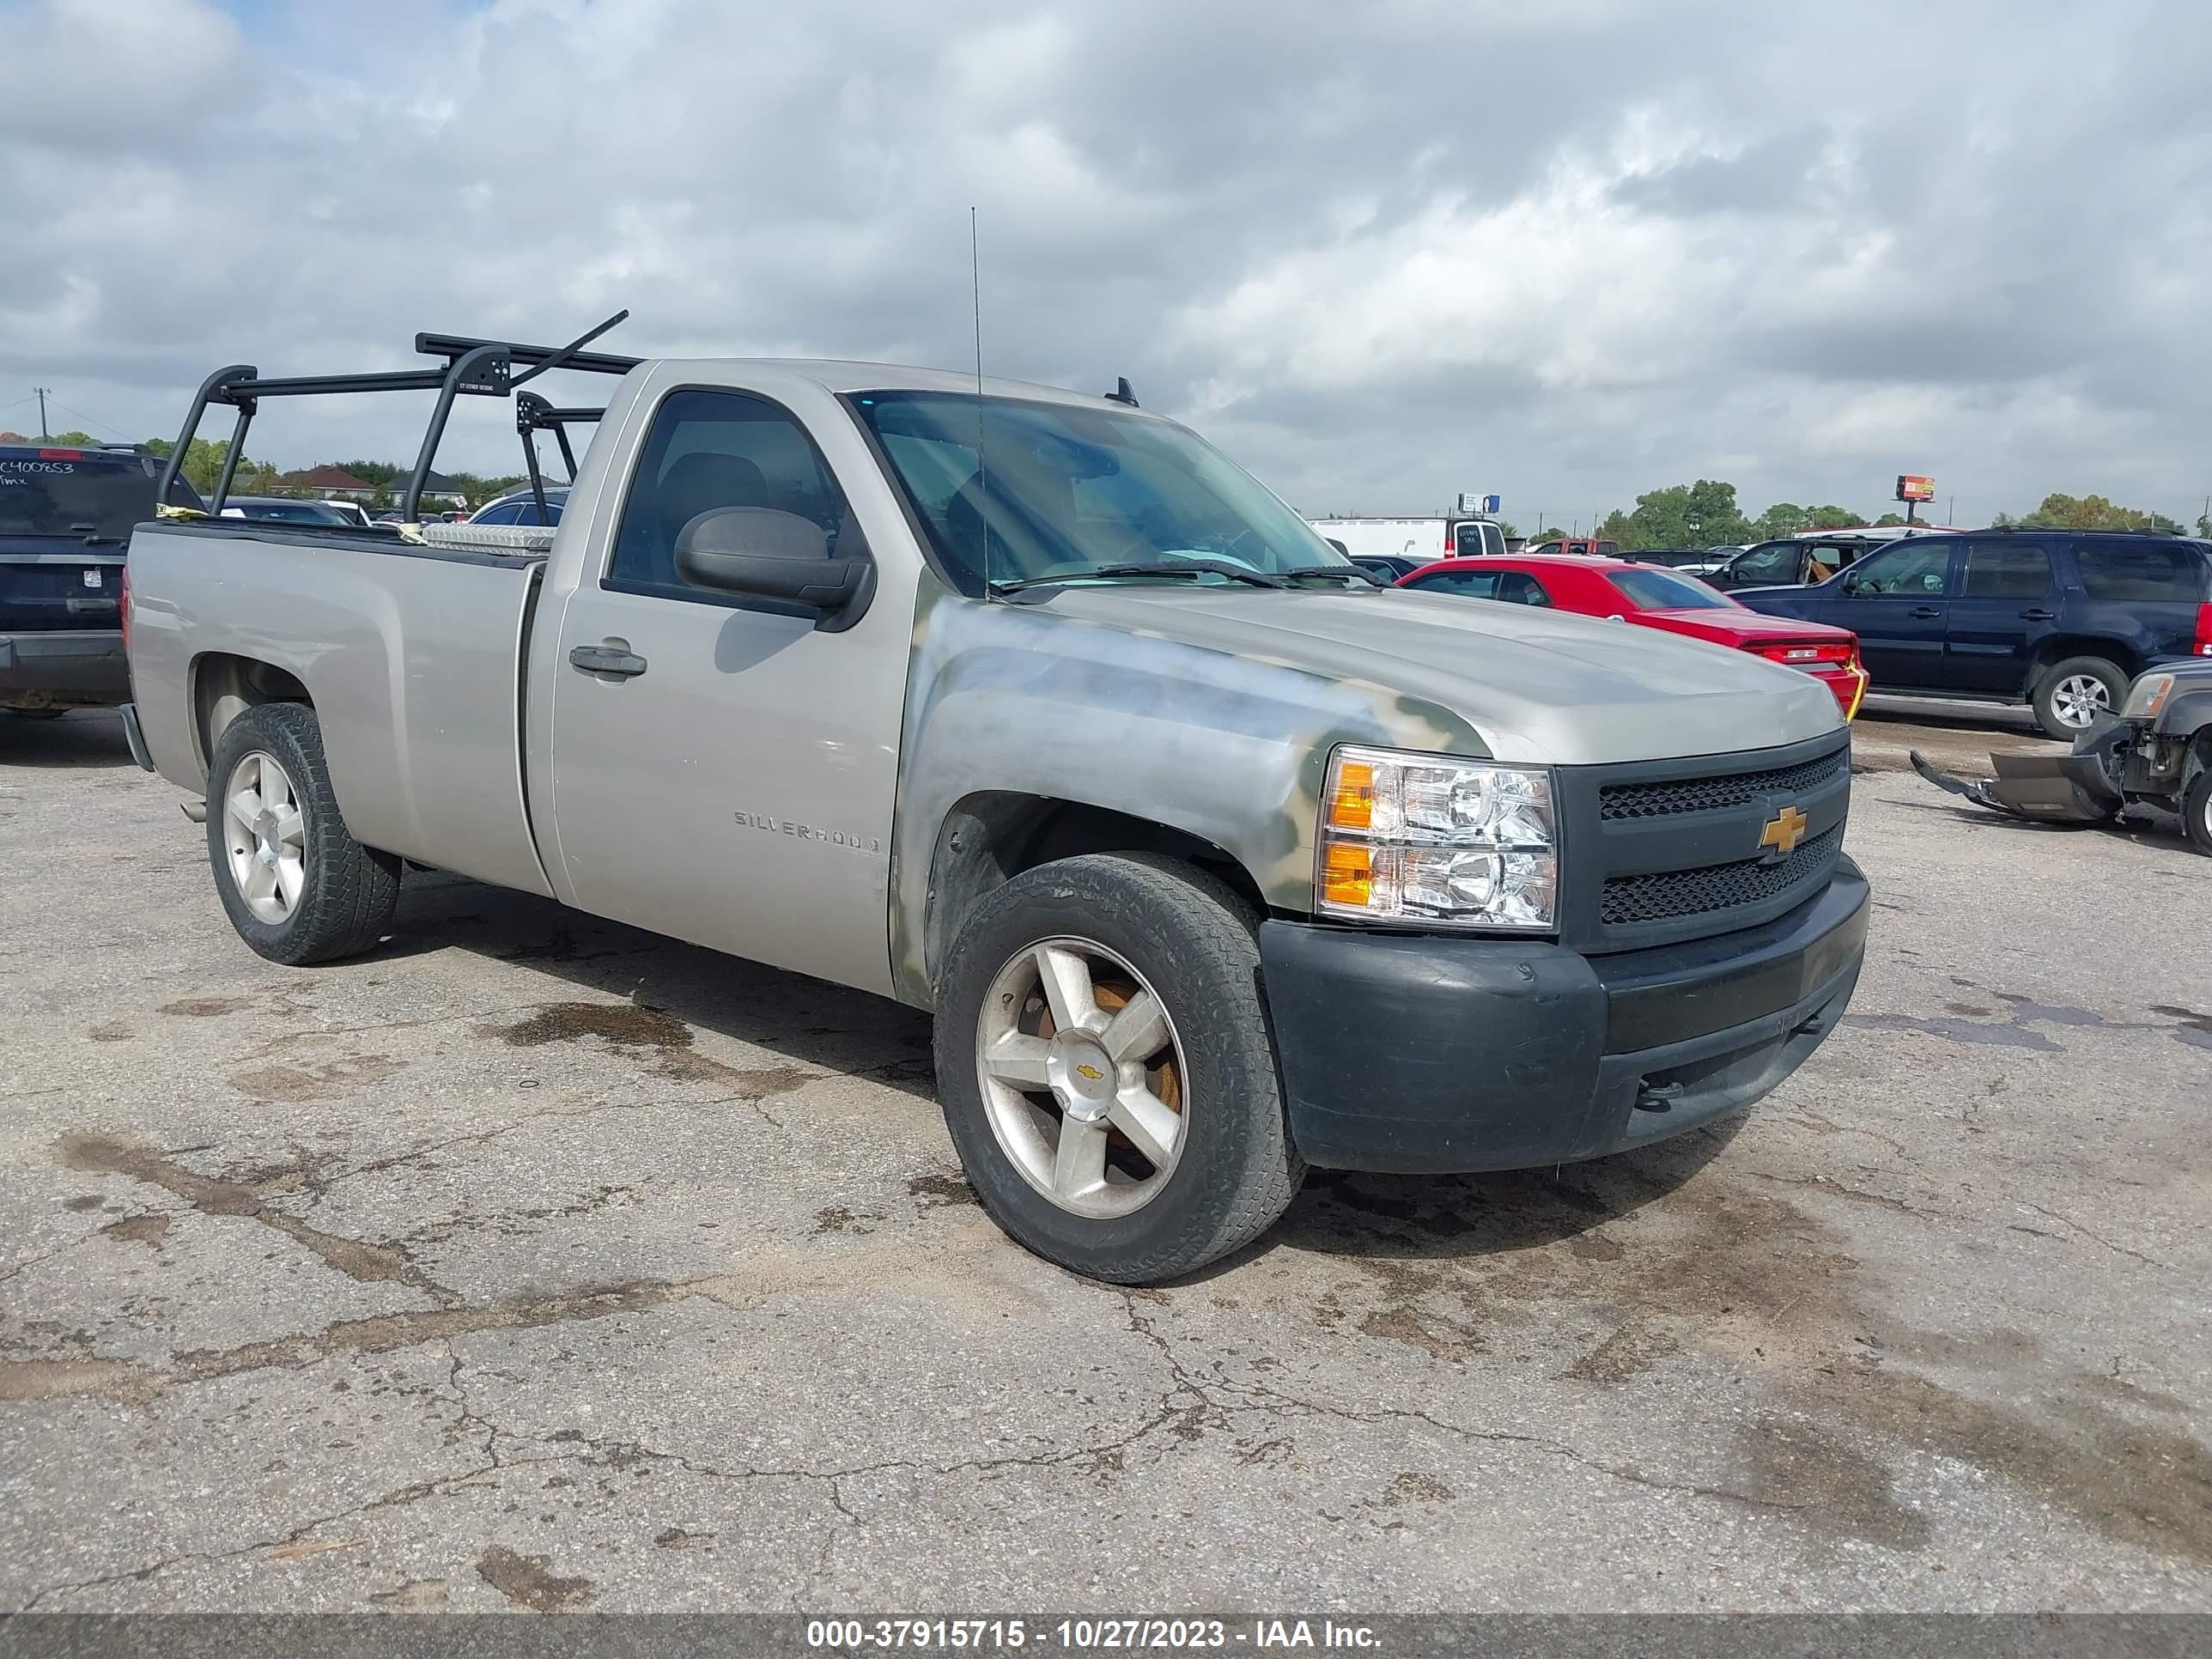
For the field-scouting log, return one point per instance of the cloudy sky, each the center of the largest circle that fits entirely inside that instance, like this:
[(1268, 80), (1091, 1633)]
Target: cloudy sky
[(1566, 250)]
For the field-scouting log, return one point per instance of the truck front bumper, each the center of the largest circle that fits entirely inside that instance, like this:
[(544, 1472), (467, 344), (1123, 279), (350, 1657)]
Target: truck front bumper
[(63, 669), (1447, 1053)]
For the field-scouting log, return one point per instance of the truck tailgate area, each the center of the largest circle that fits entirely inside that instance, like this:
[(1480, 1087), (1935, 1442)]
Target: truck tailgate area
[(411, 656)]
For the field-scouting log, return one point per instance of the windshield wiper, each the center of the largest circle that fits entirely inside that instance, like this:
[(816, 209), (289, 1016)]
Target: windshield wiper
[(1342, 572), (1191, 568)]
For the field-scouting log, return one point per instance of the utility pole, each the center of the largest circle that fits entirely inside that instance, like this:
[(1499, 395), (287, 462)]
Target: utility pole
[(1951, 509), (42, 391)]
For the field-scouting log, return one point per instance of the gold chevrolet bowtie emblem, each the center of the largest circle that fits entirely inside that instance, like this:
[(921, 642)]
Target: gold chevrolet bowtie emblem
[(1090, 1073), (1784, 830)]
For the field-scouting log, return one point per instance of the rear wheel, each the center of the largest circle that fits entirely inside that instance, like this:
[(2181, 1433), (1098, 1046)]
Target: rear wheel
[(1106, 1069), (295, 884), (2072, 695)]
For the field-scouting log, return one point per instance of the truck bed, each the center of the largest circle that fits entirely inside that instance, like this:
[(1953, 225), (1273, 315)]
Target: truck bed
[(412, 656)]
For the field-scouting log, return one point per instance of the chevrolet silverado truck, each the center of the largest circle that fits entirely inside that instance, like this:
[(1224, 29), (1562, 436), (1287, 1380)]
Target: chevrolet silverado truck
[(1213, 859)]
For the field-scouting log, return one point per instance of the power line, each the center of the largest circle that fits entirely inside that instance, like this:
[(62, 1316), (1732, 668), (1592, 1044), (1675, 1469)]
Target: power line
[(81, 415)]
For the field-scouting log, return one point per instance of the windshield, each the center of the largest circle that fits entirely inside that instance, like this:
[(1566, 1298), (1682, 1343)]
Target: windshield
[(1666, 590), (1056, 489), (69, 492)]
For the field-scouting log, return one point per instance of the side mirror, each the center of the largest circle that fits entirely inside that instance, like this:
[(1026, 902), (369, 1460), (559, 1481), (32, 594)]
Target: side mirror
[(1852, 583), (764, 554)]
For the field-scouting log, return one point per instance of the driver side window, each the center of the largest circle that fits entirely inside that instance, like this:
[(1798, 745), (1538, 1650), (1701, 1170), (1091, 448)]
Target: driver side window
[(1921, 570), (709, 450), (1475, 584)]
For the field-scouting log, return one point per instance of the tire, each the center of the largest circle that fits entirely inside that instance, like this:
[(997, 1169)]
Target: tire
[(326, 895), (2066, 699), (1141, 926), (2196, 812)]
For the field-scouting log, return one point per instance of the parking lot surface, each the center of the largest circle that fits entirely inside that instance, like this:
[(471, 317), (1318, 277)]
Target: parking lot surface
[(537, 1262)]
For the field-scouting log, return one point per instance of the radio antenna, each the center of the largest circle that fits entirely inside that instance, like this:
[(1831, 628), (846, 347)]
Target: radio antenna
[(982, 471)]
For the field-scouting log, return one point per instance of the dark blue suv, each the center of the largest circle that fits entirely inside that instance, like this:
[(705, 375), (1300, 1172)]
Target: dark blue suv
[(2059, 619)]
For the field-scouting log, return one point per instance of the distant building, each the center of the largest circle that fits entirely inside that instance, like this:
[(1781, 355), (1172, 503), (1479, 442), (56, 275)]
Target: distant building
[(436, 487), (329, 482)]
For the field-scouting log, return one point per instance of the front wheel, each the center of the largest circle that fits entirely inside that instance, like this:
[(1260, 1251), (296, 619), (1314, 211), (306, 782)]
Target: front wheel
[(2196, 812), (1106, 1070), (295, 884)]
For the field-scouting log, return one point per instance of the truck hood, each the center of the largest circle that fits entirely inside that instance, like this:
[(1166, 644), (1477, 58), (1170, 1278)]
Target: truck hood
[(1539, 686)]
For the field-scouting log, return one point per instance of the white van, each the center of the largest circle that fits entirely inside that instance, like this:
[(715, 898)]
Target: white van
[(1425, 539)]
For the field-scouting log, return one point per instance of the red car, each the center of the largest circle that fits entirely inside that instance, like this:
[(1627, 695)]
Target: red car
[(1654, 597)]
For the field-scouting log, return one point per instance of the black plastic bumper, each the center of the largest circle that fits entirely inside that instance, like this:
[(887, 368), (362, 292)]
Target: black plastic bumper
[(1428, 1052), (70, 668)]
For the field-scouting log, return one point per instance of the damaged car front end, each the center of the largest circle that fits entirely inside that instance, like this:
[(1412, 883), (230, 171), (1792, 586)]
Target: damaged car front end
[(2156, 751)]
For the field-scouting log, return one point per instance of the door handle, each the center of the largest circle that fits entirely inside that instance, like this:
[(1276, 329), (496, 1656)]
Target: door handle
[(613, 658), (1923, 611), (2038, 614)]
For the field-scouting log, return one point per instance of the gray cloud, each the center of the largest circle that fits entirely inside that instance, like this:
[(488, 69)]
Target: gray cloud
[(1383, 253)]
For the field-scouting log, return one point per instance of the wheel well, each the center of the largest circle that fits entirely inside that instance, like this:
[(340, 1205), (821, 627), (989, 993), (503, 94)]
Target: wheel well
[(987, 840), (225, 686), (2055, 651), (2197, 759)]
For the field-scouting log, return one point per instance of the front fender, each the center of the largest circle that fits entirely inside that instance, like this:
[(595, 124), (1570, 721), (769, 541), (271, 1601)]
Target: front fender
[(1013, 699)]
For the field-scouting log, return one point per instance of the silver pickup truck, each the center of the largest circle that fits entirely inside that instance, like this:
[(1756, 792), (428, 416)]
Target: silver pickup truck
[(1213, 859)]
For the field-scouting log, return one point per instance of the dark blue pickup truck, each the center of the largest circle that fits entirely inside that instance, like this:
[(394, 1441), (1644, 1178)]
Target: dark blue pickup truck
[(65, 519), (2060, 620)]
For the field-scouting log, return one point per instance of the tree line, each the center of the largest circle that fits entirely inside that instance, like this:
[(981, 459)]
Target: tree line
[(203, 465), (1701, 514), (1705, 514)]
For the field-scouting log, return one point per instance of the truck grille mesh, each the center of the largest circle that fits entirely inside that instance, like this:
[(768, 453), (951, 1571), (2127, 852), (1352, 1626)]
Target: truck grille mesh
[(1664, 894), (1664, 800)]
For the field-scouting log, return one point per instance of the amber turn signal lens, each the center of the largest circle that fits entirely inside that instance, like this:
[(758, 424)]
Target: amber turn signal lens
[(1348, 875), (1352, 803)]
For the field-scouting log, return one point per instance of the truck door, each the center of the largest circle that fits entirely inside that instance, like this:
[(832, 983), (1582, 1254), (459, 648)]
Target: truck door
[(1477, 538), (2006, 605), (722, 771), (1897, 601)]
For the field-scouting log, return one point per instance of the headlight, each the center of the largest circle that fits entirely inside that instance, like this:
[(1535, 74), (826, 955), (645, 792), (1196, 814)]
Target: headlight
[(1427, 838), (2148, 696)]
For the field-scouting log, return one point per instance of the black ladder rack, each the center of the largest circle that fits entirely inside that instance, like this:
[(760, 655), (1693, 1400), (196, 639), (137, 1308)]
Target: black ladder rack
[(473, 368)]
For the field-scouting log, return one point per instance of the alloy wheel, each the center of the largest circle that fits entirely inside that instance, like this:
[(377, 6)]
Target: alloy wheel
[(1083, 1077), (2079, 699), (266, 836)]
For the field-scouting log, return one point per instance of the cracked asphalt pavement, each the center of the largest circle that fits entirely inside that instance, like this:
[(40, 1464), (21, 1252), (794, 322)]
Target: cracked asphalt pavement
[(535, 1262)]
